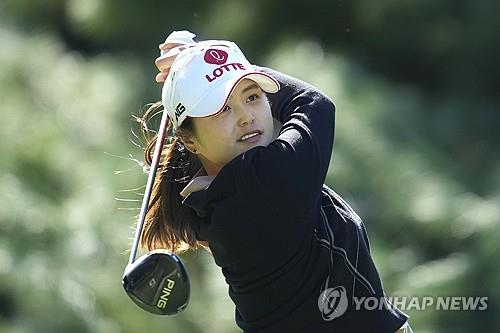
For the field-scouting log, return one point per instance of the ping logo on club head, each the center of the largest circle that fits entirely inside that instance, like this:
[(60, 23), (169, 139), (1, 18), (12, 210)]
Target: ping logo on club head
[(215, 56), (165, 293), (332, 303)]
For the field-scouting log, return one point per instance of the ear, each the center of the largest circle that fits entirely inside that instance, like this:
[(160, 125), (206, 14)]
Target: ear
[(190, 145)]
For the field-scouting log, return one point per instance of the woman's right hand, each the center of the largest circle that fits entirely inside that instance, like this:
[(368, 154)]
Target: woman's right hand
[(174, 43)]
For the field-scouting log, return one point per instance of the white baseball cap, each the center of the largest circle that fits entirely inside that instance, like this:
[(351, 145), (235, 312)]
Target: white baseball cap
[(204, 75)]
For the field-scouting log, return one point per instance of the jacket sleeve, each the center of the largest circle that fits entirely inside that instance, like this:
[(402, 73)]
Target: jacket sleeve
[(293, 167)]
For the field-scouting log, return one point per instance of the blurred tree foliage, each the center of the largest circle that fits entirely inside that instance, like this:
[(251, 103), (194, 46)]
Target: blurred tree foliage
[(416, 152)]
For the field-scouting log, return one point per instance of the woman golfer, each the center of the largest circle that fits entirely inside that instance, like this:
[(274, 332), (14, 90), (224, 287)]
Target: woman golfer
[(293, 252)]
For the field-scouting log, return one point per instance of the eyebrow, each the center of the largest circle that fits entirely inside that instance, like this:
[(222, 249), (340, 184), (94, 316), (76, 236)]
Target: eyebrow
[(250, 87), (247, 88)]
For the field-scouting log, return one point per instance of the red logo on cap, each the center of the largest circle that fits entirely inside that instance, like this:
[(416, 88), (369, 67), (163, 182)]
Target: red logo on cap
[(216, 57)]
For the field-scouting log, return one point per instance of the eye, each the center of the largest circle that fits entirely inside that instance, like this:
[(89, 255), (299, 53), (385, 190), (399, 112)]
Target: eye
[(252, 97), (226, 108)]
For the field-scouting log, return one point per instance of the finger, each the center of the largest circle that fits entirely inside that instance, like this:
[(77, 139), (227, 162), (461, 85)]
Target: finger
[(168, 45), (164, 62), (161, 77), (173, 51)]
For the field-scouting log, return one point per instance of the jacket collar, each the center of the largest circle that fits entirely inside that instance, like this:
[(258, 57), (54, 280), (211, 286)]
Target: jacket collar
[(200, 181), (196, 194)]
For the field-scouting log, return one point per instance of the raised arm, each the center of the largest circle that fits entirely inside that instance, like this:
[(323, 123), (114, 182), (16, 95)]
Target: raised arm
[(295, 164)]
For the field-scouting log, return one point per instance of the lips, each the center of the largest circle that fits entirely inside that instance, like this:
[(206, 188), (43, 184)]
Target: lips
[(249, 135)]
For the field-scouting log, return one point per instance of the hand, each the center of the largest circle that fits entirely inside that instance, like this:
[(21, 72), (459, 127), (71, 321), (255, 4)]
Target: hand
[(175, 43)]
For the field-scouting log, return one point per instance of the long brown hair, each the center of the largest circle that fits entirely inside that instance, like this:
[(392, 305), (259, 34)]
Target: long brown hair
[(169, 224)]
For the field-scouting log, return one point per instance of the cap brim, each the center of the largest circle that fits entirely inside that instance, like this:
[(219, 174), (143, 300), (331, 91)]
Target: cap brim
[(215, 100)]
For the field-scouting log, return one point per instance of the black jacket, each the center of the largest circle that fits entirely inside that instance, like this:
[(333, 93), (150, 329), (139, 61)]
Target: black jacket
[(281, 237)]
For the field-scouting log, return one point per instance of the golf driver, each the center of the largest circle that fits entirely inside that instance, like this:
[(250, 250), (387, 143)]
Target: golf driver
[(158, 281)]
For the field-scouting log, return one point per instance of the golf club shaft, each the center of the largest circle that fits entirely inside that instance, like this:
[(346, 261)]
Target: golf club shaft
[(149, 185)]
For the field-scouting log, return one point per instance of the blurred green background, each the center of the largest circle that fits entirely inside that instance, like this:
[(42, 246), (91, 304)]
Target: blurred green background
[(416, 84)]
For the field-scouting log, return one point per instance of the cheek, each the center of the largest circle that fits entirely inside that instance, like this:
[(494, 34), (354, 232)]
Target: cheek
[(267, 120), (221, 144)]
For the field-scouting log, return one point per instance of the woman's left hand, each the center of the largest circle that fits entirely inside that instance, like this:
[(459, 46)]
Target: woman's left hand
[(174, 43)]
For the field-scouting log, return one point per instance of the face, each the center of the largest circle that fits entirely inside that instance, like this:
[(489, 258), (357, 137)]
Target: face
[(218, 138)]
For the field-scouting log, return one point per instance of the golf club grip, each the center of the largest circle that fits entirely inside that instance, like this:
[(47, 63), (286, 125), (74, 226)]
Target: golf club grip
[(149, 185)]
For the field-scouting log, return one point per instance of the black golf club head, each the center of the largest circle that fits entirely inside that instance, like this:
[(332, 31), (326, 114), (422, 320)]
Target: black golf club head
[(158, 282)]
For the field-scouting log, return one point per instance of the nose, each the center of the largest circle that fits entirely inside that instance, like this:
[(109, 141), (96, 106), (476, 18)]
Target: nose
[(246, 116)]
